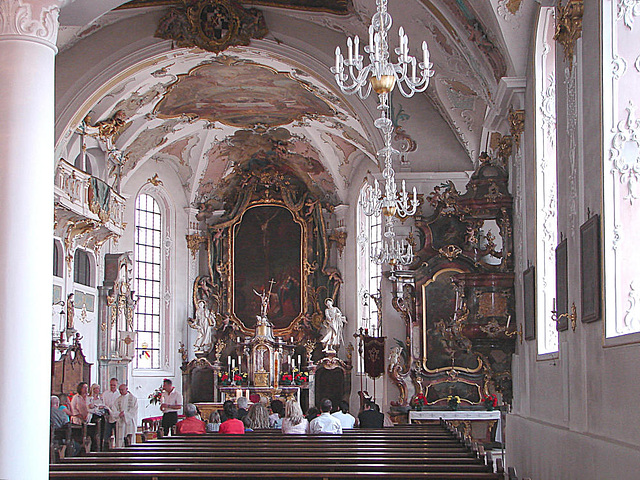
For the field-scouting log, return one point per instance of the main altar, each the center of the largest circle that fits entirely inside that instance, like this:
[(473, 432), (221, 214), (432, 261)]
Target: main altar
[(271, 244)]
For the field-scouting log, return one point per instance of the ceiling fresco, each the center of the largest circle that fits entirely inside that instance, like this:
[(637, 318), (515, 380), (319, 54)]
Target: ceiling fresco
[(246, 150), (330, 6), (242, 95), (211, 115)]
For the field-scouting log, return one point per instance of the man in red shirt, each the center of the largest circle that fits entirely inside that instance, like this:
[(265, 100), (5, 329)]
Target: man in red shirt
[(232, 424), (191, 425)]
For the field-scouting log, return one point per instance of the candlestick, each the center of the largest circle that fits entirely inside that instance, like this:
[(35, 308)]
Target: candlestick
[(508, 322)]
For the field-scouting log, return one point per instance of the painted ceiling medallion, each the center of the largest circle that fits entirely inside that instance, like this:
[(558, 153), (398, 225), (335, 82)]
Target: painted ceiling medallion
[(213, 25), (240, 94)]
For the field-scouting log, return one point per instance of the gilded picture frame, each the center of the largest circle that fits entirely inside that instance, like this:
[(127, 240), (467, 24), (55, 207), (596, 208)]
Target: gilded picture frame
[(278, 256), (590, 270)]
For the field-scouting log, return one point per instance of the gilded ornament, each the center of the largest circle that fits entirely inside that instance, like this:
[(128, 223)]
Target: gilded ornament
[(194, 241), (213, 25), (516, 125), (155, 181), (569, 27), (340, 239), (450, 251)]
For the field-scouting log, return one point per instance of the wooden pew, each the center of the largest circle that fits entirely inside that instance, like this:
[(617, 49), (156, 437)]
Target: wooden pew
[(420, 453)]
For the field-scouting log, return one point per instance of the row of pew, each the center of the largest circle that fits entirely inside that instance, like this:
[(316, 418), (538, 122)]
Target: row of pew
[(431, 451)]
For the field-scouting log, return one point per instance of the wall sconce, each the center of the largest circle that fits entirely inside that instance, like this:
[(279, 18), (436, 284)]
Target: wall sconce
[(572, 316), (515, 333)]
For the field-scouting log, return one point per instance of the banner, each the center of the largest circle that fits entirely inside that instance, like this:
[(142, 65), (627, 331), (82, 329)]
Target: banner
[(374, 356)]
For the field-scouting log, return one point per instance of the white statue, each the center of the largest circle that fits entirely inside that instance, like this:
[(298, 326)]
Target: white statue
[(333, 324), (203, 323)]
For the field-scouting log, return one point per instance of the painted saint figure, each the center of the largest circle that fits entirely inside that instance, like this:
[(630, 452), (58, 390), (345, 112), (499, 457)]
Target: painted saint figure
[(333, 324)]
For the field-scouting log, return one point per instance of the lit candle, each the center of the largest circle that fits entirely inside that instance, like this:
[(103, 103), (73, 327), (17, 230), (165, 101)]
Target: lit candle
[(337, 59), (356, 42), (350, 50), (508, 322)]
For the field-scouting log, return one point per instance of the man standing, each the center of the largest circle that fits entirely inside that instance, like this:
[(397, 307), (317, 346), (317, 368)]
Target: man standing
[(170, 405), (110, 397), (325, 423), (126, 410), (346, 419)]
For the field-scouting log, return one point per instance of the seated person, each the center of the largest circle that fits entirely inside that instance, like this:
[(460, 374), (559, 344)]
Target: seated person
[(325, 423), (59, 418), (191, 425), (232, 424), (293, 421), (243, 407), (346, 419), (257, 418), (214, 422), (312, 413), (275, 419), (369, 417)]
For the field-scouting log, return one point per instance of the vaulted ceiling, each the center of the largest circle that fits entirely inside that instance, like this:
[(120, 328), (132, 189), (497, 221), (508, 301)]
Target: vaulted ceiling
[(206, 114)]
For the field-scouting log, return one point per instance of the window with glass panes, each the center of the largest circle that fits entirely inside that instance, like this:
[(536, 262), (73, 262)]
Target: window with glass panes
[(148, 279), (375, 273)]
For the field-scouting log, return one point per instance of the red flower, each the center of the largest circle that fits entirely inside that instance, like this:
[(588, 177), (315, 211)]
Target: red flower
[(237, 378)]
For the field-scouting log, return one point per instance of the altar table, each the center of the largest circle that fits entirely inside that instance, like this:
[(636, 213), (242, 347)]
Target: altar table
[(464, 417)]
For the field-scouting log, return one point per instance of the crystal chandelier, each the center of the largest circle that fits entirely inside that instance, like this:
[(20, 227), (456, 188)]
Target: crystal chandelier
[(381, 75)]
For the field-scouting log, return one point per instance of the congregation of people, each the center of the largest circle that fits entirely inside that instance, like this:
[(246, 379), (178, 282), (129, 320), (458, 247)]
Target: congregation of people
[(115, 412)]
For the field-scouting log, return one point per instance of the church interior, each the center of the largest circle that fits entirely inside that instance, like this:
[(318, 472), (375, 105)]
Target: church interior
[(425, 203)]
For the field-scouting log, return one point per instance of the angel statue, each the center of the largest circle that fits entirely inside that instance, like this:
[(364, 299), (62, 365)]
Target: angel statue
[(203, 323), (333, 324)]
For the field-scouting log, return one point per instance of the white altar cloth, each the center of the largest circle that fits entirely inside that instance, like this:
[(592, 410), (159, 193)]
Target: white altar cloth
[(460, 415)]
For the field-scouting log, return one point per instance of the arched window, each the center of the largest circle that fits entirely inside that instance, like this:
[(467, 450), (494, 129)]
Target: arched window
[(57, 259), (369, 273), (82, 268), (621, 157), (546, 180), (148, 281)]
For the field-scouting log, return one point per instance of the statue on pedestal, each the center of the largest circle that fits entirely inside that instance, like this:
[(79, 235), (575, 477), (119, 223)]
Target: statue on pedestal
[(333, 324), (203, 323)]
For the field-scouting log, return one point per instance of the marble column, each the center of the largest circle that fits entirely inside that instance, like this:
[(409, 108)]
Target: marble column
[(28, 31)]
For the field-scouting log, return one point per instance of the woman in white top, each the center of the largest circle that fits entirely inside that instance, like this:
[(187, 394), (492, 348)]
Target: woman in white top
[(294, 421)]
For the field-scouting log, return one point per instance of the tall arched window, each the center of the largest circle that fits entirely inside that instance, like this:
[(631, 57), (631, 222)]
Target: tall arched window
[(82, 271), (546, 180), (369, 273), (148, 281), (621, 156)]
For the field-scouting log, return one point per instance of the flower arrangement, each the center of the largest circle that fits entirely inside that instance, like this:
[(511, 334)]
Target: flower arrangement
[(223, 379), (286, 379), (156, 396), (300, 377), (453, 401), (490, 401), (239, 378), (418, 401)]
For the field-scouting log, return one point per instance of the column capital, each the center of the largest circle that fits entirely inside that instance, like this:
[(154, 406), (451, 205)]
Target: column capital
[(30, 20)]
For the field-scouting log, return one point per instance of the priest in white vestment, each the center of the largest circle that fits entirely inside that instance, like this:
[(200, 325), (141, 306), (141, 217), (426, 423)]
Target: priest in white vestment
[(126, 411)]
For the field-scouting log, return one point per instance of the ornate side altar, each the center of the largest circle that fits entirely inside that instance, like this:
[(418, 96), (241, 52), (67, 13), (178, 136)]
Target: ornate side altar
[(457, 298)]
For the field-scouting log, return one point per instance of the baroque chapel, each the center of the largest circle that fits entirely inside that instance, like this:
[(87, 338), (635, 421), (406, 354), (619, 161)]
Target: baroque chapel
[(210, 191)]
